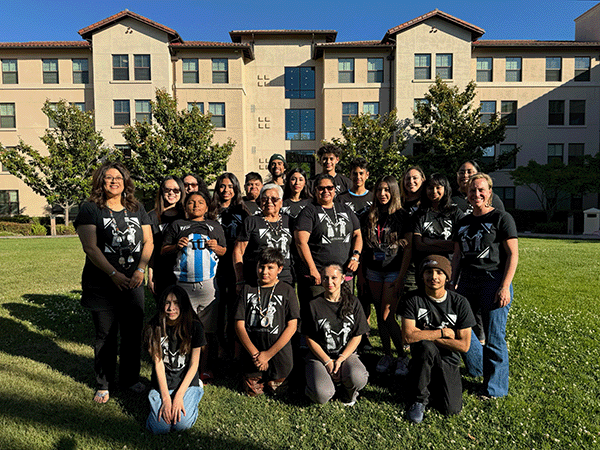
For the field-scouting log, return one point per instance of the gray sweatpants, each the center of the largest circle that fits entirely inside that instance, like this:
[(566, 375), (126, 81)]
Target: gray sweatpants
[(320, 387)]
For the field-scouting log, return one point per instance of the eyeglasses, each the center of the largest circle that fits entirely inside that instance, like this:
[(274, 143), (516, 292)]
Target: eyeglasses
[(329, 188), (187, 185), (111, 179), (169, 190), (467, 172), (270, 199)]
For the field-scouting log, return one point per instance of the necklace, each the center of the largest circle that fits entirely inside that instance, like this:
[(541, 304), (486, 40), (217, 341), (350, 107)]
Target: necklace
[(334, 222), (277, 228), (266, 314), (125, 245)]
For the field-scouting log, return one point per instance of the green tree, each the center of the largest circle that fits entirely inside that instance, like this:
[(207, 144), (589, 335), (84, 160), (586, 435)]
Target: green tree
[(450, 130), (75, 150), (378, 140), (555, 182), (176, 143)]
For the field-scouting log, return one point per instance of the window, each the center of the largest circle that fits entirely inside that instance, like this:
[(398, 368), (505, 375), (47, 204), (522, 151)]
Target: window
[(346, 70), (300, 124), (200, 105), (190, 70), (349, 110), (553, 69), (81, 74), (9, 203), (371, 108), (513, 69), (7, 115), (443, 66), (125, 149), (375, 70), (555, 152), (505, 148), (9, 71), (488, 109), (416, 104), (507, 195), (141, 67), (489, 154), (121, 112), (299, 82), (220, 71), (422, 67), (556, 112), (52, 123), (218, 114), (577, 112), (120, 67), (508, 112), (50, 71), (484, 69), (80, 106), (575, 154), (582, 68), (143, 111)]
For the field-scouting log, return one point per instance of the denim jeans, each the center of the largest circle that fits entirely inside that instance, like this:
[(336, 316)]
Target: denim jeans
[(190, 403), (491, 359)]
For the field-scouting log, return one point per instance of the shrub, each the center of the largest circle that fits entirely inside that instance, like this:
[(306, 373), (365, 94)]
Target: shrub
[(551, 228), (16, 219), (65, 230)]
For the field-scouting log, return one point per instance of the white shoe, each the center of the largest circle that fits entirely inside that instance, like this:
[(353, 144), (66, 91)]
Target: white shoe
[(402, 366)]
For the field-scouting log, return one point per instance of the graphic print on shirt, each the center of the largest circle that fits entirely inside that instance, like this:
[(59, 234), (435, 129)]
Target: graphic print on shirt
[(174, 361), (362, 211), (196, 262), (231, 228), (281, 240), (263, 317), (337, 231), (122, 239), (336, 340), (435, 229), (472, 244), (424, 320)]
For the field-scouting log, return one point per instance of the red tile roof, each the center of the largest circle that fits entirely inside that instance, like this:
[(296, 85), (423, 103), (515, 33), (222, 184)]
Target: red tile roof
[(89, 30), (476, 32), (236, 35), (46, 44), (533, 43)]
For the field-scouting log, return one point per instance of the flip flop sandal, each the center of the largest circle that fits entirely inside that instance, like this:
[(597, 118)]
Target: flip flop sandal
[(101, 395)]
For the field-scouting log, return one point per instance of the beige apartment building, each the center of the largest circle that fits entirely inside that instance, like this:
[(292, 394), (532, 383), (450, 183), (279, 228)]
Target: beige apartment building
[(286, 90)]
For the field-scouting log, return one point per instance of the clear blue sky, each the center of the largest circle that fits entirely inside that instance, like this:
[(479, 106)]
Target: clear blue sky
[(210, 20)]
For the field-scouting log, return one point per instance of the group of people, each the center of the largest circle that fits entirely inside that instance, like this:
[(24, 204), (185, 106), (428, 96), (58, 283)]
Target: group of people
[(273, 274)]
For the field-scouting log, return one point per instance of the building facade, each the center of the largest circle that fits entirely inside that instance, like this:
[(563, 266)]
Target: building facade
[(284, 91)]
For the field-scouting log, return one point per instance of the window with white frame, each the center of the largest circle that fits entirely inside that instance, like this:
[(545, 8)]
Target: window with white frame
[(120, 67), (375, 70), (443, 66), (555, 152), (9, 202), (7, 115), (190, 70), (220, 71), (422, 66), (143, 111), (349, 109), (488, 109), (121, 112), (199, 105), (484, 69), (217, 110), (508, 112), (346, 70), (554, 68), (81, 73), (51, 122), (513, 69), (10, 74), (50, 71), (576, 112), (582, 68), (141, 67), (371, 108)]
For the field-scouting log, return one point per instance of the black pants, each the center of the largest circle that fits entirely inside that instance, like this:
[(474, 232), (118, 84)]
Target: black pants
[(431, 376), (126, 317)]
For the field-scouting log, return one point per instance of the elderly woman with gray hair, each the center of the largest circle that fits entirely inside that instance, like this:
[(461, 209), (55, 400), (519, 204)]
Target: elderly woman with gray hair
[(269, 229)]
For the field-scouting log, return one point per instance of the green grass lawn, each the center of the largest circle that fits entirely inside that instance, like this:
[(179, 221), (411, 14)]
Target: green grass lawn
[(46, 377)]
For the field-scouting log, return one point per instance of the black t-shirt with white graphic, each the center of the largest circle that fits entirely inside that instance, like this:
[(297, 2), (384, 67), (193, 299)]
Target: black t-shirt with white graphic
[(321, 323), (162, 264), (176, 364), (253, 207), (330, 231), (231, 219), (454, 312), (481, 240), (384, 254), (360, 204), (119, 237), (435, 225), (341, 182), (260, 234), (293, 209), (266, 313), (464, 205)]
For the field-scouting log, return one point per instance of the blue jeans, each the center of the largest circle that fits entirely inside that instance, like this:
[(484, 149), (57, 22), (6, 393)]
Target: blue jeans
[(190, 403), (490, 360)]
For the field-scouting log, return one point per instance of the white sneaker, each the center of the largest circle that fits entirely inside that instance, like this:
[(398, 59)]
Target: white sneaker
[(384, 364), (402, 366)]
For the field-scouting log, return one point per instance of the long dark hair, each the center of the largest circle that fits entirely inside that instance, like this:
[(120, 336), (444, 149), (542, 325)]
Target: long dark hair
[(437, 179), (157, 327), (215, 206), (346, 297), (98, 195), (159, 203), (287, 189), (377, 210)]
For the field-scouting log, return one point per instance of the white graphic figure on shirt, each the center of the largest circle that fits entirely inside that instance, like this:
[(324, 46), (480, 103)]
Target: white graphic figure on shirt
[(336, 341), (125, 238), (280, 240), (335, 231), (473, 244), (174, 360), (263, 318), (424, 320)]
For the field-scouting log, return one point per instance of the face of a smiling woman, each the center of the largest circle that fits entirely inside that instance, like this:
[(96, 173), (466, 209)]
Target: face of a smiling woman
[(113, 183), (413, 181), (325, 192)]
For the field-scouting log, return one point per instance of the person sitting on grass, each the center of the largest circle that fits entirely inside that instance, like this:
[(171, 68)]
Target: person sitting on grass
[(334, 323), (174, 337), (437, 325), (265, 321)]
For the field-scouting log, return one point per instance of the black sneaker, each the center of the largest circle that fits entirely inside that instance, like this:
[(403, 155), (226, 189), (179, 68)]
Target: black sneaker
[(415, 412)]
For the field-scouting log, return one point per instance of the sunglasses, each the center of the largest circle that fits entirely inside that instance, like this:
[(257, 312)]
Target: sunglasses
[(270, 199), (329, 188), (187, 185), (169, 190)]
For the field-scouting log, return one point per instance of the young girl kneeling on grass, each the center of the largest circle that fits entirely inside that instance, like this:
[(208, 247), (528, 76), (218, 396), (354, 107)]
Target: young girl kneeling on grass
[(174, 337)]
